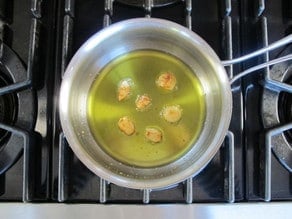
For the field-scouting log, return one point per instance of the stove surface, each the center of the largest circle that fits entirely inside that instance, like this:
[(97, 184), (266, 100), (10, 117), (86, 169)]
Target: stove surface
[(42, 36)]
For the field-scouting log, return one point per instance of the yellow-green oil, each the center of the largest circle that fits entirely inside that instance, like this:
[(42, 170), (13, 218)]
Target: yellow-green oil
[(104, 110)]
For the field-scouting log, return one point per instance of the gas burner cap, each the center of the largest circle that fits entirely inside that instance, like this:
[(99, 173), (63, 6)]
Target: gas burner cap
[(277, 110), (17, 109), (141, 3)]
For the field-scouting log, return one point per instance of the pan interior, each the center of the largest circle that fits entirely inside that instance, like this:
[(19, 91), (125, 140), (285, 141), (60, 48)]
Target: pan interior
[(141, 69)]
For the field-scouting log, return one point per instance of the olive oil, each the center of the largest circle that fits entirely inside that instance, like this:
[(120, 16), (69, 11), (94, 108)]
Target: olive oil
[(105, 109)]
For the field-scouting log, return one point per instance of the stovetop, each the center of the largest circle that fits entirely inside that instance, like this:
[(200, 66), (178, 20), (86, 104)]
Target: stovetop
[(38, 38)]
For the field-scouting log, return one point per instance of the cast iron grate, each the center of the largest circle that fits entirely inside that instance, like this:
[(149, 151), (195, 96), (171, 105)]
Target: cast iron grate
[(222, 168)]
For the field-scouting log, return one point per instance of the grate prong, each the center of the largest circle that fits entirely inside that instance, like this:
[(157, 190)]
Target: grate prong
[(229, 179), (103, 190), (189, 190), (189, 14), (146, 196)]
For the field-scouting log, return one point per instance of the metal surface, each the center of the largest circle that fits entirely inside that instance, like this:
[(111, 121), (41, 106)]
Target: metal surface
[(159, 35), (266, 178), (201, 211), (245, 169), (230, 179), (146, 196), (191, 189), (36, 8), (103, 191), (276, 139), (264, 65), (23, 105), (20, 61), (284, 41), (189, 14)]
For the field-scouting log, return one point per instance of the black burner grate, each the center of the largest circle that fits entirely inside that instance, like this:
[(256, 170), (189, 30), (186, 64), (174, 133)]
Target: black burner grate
[(266, 178), (21, 53), (222, 179), (40, 37)]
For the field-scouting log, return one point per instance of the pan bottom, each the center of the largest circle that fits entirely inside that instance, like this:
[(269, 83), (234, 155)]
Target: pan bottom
[(146, 108)]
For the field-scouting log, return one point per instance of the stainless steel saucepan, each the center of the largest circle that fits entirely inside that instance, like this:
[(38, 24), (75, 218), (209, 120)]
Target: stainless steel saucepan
[(122, 38)]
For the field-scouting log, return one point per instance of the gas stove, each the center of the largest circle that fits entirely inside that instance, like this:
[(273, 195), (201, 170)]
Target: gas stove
[(27, 46), (38, 39)]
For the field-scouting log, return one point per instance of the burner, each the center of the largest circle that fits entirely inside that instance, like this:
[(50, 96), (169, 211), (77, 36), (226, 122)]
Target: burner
[(7, 108), (277, 109), (285, 108), (17, 108), (141, 3)]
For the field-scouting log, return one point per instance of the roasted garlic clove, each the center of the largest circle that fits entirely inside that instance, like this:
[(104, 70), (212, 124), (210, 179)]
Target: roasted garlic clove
[(172, 113), (142, 102), (166, 81), (154, 135), (124, 89), (126, 125)]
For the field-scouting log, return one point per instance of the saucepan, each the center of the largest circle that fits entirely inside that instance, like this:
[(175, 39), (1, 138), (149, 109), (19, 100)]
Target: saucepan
[(88, 67)]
